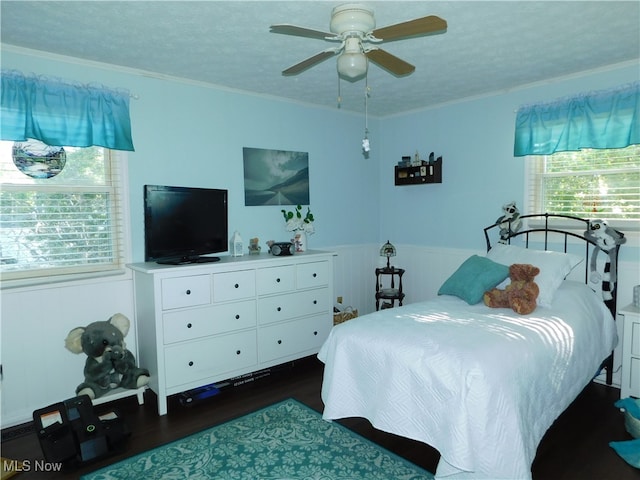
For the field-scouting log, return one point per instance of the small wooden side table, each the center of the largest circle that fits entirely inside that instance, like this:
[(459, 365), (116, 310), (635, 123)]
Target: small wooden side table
[(390, 294)]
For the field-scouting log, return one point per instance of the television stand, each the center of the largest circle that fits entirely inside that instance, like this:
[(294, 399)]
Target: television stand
[(207, 324), (187, 260)]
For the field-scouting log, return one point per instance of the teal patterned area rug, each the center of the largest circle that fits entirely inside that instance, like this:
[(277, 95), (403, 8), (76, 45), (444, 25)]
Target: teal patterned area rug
[(287, 440)]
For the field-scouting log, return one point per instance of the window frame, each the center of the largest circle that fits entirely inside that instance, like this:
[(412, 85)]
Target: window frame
[(534, 197), (116, 164)]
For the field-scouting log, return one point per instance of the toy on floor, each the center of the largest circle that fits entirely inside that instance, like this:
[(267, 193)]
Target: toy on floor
[(109, 364)]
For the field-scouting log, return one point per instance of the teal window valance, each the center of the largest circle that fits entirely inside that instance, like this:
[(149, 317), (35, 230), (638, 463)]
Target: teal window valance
[(63, 114), (603, 119)]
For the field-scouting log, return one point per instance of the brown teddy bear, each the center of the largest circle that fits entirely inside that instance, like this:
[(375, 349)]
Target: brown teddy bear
[(520, 294)]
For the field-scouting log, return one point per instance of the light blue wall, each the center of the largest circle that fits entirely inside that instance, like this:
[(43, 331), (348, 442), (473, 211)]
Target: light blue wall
[(191, 134), (480, 173), (188, 134)]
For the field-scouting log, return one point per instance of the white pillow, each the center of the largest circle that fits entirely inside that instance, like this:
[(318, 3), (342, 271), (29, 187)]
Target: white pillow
[(554, 266)]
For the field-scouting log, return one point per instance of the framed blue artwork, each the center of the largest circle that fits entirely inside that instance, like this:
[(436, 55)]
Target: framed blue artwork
[(275, 177)]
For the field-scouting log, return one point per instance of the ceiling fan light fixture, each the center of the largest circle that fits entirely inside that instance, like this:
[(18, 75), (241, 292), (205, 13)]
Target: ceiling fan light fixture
[(354, 25), (352, 17), (352, 65)]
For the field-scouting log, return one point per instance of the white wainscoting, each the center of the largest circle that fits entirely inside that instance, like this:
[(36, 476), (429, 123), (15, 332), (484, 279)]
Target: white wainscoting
[(38, 370), (426, 269), (354, 275)]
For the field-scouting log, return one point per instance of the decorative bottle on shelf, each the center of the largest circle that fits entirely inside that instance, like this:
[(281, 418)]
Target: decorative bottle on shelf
[(236, 245)]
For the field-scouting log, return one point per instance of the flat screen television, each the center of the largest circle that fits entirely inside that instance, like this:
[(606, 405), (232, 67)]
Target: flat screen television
[(184, 224)]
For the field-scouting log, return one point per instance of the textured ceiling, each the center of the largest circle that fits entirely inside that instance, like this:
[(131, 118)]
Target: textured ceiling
[(488, 46)]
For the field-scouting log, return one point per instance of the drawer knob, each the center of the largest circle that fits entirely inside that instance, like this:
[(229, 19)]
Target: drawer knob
[(238, 352), (188, 292), (191, 364), (237, 286), (315, 302), (279, 309), (277, 280), (189, 325), (314, 275), (279, 342), (237, 317), (315, 333)]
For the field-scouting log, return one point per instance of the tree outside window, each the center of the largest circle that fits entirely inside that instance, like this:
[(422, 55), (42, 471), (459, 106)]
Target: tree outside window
[(65, 224), (588, 183)]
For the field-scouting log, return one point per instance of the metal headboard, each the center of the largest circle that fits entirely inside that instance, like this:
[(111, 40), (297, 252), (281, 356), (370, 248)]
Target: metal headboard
[(554, 229)]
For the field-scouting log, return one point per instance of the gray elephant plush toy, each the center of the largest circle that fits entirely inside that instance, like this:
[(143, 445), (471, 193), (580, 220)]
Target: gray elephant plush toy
[(109, 364)]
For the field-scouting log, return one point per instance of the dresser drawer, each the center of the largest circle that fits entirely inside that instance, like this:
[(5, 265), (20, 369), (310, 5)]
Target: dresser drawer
[(213, 356), (289, 338), (291, 305), (276, 280), (234, 285), (188, 291), (201, 322), (313, 274)]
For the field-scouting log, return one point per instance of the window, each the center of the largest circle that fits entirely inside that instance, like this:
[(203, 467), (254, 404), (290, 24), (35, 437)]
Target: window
[(70, 223), (588, 183)]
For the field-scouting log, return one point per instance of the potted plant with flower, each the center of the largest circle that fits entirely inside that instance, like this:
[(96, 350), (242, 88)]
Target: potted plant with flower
[(301, 226)]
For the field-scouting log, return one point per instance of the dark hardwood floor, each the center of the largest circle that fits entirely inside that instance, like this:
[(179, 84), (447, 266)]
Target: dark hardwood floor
[(575, 447)]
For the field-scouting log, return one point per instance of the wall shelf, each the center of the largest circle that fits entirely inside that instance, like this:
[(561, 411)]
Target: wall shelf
[(426, 172)]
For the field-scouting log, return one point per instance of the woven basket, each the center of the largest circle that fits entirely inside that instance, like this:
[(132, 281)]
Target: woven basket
[(631, 423), (347, 314)]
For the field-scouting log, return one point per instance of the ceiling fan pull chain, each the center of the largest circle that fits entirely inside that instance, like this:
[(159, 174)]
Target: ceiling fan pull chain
[(366, 147), (367, 91)]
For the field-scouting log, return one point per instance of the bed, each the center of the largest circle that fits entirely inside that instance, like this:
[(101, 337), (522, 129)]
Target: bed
[(479, 384)]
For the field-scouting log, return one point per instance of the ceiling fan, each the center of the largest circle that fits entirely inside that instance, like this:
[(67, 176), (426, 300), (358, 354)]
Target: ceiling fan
[(353, 25)]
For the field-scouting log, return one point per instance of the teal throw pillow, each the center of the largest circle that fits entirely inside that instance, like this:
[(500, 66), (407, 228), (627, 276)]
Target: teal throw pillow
[(474, 277)]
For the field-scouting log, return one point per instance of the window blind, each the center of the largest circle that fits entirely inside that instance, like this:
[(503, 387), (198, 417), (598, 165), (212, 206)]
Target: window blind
[(52, 229), (589, 184)]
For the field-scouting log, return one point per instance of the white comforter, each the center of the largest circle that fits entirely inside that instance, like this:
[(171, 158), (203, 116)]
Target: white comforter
[(480, 385)]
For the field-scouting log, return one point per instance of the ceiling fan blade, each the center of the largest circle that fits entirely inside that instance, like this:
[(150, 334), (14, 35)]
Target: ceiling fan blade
[(308, 63), (410, 28), (389, 62), (287, 29)]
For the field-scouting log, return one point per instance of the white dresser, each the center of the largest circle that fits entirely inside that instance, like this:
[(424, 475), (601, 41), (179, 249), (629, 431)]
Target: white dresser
[(202, 323), (630, 381)]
